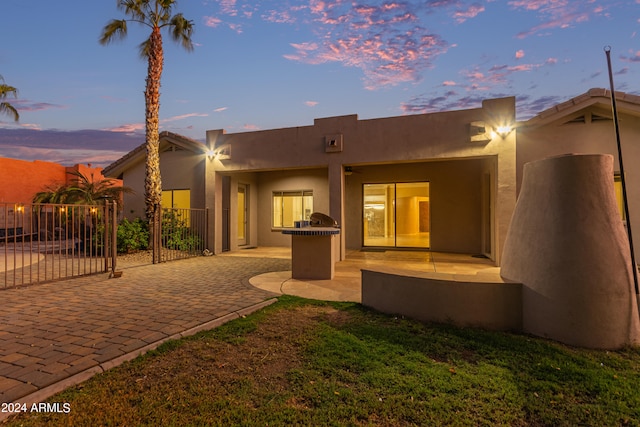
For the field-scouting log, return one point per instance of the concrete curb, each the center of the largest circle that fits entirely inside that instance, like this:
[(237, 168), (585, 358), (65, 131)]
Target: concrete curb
[(46, 392)]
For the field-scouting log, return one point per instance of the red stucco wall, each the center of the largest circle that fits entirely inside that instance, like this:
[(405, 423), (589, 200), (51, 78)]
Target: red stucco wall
[(20, 180)]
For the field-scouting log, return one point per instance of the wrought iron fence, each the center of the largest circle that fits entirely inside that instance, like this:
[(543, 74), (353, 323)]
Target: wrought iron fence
[(46, 242), (182, 234)]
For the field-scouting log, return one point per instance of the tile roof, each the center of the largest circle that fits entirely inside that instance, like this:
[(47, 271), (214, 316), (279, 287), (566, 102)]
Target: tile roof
[(187, 143)]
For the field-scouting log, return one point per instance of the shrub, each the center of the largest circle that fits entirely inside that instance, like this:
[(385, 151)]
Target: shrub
[(176, 233), (133, 236)]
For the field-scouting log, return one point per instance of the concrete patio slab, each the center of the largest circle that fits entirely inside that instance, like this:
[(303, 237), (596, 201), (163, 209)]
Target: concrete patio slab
[(347, 282)]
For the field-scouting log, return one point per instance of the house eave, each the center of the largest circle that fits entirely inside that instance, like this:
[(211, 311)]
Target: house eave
[(628, 103), (116, 168)]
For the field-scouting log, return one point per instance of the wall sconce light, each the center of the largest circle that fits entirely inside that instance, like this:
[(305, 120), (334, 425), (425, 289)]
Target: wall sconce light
[(503, 130), (481, 132), (220, 153), (19, 208)]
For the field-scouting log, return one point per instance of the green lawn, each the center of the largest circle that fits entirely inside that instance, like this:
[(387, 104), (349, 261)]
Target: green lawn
[(300, 362)]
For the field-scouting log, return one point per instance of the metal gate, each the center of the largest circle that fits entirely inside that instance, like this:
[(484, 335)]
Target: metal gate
[(179, 233), (46, 242)]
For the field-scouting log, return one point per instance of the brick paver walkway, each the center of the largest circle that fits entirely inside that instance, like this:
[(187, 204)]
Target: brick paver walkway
[(57, 334)]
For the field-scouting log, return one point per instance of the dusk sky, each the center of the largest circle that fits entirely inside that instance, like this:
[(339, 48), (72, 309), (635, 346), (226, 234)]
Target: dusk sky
[(269, 64)]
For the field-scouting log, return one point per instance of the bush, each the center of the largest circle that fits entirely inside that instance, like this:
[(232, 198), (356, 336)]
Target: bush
[(133, 236), (176, 233)]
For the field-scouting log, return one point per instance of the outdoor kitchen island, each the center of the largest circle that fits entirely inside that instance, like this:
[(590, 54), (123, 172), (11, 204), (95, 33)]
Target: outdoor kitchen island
[(313, 252)]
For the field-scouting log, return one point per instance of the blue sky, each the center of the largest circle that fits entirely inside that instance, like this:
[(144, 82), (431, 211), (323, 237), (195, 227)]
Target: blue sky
[(272, 64)]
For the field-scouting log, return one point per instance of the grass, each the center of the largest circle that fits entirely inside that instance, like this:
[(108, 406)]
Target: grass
[(300, 362)]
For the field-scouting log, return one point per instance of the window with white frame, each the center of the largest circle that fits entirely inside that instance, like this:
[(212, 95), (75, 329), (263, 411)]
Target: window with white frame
[(291, 206)]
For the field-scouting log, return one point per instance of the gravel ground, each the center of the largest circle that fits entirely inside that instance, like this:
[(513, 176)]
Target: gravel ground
[(133, 259)]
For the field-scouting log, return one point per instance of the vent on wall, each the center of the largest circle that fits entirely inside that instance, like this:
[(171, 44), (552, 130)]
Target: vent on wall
[(333, 143), (589, 118), (479, 132)]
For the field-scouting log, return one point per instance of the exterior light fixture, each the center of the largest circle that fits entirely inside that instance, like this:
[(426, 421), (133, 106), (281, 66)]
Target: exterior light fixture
[(348, 170), (221, 153), (503, 130), (211, 154)]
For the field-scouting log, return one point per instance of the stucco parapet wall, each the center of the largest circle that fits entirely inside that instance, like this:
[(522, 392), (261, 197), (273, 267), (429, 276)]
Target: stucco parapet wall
[(400, 139), (483, 300)]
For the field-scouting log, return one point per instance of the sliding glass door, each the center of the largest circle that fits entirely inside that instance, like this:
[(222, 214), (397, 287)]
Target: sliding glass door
[(396, 215)]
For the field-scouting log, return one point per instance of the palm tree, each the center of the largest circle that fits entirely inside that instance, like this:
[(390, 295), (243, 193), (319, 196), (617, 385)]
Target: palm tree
[(85, 190), (5, 107), (90, 192), (155, 14), (52, 194)]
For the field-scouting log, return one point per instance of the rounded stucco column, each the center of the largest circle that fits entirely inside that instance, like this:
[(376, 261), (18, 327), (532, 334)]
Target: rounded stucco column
[(567, 245)]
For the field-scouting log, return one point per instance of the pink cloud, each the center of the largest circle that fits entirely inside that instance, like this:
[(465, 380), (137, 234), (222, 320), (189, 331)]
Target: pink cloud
[(557, 13), (520, 54), (279, 17), (471, 12), (497, 75), (633, 56), (383, 40), (212, 21), (26, 105), (228, 7), (128, 128), (183, 116), (220, 110), (311, 103), (448, 83)]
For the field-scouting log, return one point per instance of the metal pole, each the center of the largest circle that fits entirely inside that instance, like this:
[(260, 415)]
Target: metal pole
[(634, 268), (114, 238)]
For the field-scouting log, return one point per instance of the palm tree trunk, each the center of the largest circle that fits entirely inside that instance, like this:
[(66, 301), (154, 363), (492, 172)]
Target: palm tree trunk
[(153, 182)]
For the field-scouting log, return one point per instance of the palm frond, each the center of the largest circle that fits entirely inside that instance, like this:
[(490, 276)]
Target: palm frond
[(137, 9), (116, 29), (10, 110), (181, 31), (143, 49), (5, 107)]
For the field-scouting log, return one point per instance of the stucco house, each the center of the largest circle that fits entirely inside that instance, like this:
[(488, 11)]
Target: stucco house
[(445, 181), (20, 180)]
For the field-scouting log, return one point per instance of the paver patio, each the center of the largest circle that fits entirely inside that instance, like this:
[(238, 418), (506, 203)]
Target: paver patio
[(57, 334)]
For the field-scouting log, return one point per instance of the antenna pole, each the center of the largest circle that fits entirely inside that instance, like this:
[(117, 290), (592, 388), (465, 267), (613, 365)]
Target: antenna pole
[(607, 51)]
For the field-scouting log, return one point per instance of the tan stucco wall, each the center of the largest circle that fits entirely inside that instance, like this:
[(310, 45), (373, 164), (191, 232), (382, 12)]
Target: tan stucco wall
[(179, 170), (402, 140), (455, 196), (568, 248), (268, 182), (485, 302), (555, 138)]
